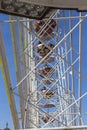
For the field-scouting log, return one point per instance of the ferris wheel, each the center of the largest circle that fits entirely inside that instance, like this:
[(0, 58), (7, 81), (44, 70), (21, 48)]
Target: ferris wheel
[(48, 59)]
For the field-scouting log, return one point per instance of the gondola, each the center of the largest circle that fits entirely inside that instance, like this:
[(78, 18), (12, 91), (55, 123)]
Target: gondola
[(46, 71), (46, 93), (43, 49)]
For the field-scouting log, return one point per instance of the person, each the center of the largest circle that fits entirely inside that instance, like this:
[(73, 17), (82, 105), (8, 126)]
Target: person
[(7, 127)]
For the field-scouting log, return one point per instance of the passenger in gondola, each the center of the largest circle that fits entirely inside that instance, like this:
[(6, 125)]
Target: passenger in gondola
[(45, 118)]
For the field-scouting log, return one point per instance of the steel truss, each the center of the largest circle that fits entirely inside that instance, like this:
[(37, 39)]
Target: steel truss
[(48, 61)]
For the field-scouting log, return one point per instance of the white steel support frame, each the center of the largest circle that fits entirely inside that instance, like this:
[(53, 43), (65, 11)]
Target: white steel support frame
[(66, 112), (51, 50), (63, 72), (64, 128), (80, 67), (17, 64)]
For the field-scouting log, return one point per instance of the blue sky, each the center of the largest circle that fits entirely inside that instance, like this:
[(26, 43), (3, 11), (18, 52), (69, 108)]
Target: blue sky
[(5, 115)]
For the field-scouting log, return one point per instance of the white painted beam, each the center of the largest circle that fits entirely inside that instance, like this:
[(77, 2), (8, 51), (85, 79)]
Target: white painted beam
[(63, 128)]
